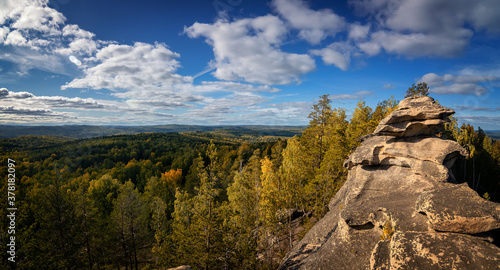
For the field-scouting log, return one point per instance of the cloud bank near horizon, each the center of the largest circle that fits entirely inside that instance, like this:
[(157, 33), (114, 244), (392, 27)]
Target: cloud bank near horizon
[(250, 61)]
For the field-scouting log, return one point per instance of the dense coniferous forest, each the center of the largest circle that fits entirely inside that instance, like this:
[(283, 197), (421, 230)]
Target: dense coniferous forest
[(160, 200)]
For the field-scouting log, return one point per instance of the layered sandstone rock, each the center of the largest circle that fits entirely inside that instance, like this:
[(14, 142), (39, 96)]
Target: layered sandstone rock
[(399, 208), (183, 267)]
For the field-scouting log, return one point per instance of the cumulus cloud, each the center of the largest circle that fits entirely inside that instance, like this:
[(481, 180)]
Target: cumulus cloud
[(418, 44), (5, 94), (357, 95), (31, 23), (248, 49), (428, 27), (358, 31), (15, 38), (75, 31), (459, 84), (313, 26), (11, 8), (39, 18), (460, 89), (142, 77), (127, 67), (32, 30), (337, 53)]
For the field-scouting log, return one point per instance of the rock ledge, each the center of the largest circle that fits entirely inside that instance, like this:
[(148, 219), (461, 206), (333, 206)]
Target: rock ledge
[(399, 208)]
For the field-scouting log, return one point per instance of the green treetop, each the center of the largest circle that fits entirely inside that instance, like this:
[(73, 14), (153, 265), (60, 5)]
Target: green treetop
[(421, 89)]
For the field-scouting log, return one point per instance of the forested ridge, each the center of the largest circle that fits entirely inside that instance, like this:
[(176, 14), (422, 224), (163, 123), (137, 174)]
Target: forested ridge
[(86, 131), (160, 200)]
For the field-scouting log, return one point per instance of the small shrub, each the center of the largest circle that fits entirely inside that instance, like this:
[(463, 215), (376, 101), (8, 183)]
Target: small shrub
[(387, 231)]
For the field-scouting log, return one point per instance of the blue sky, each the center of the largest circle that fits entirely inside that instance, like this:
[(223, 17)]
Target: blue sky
[(240, 62)]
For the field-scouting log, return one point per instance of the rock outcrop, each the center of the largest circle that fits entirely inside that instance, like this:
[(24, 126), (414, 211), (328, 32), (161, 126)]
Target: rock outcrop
[(400, 207), (183, 267)]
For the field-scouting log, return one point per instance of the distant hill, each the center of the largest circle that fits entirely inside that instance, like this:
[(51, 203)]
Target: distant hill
[(86, 131), (494, 134)]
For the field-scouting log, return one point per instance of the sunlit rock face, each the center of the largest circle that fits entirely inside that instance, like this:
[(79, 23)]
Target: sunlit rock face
[(400, 208)]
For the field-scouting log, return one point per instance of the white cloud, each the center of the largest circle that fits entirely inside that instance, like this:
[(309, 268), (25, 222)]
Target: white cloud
[(477, 109), (4, 31), (11, 8), (76, 31), (24, 107), (31, 23), (419, 44), (139, 66), (460, 89), (370, 48), (434, 79), (427, 27), (248, 49), (48, 103), (486, 122), (357, 95), (213, 86), (5, 94), (445, 15), (460, 84), (388, 86), (32, 31), (143, 77), (23, 111), (79, 46), (358, 31), (288, 113), (227, 108), (314, 25), (27, 59), (15, 38), (337, 53), (40, 18)]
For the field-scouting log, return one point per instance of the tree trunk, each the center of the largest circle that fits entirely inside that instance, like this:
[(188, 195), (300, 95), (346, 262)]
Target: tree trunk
[(134, 247), (124, 245)]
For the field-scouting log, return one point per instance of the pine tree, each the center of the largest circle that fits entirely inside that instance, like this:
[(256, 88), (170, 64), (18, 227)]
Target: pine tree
[(183, 249), (315, 137), (242, 218), (383, 109), (421, 89), (129, 222), (331, 174), (359, 125), (198, 221)]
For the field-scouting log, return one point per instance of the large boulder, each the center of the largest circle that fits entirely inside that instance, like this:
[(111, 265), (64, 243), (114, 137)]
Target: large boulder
[(399, 208), (414, 116), (421, 250), (457, 208)]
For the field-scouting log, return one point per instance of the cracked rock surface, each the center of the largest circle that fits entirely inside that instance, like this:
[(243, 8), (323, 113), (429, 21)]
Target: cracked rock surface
[(399, 208)]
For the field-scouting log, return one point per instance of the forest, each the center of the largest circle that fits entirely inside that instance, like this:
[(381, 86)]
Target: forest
[(161, 200)]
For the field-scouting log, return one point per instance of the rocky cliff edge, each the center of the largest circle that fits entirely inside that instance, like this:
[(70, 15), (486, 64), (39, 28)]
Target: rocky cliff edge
[(400, 208)]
